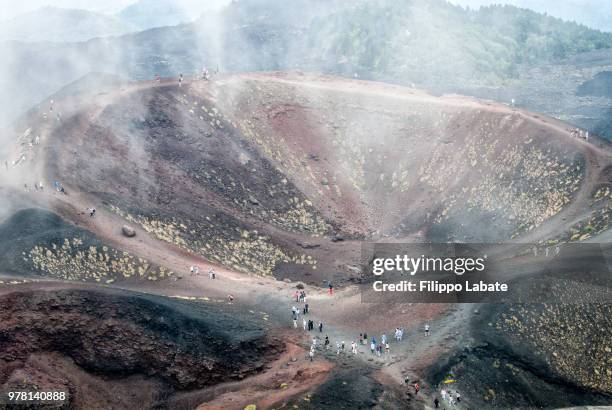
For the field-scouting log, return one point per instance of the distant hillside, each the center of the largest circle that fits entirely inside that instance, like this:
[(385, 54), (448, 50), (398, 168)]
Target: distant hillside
[(146, 14), (593, 13), (433, 42), (60, 25), (430, 43)]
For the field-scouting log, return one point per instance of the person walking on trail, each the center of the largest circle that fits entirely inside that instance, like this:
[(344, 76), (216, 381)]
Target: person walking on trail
[(427, 329), (342, 346), (387, 349), (417, 387), (365, 338), (294, 322), (311, 354), (383, 339), (310, 325), (337, 348), (443, 394), (372, 347), (326, 342), (297, 296), (331, 289), (306, 308), (191, 270), (197, 270), (457, 397), (320, 327), (304, 323), (354, 347), (436, 403), (180, 80)]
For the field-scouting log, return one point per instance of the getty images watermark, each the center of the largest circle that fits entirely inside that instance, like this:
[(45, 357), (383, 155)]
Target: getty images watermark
[(493, 273)]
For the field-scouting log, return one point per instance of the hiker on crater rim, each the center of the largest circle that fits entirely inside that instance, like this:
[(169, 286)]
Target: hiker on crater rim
[(180, 80), (321, 327)]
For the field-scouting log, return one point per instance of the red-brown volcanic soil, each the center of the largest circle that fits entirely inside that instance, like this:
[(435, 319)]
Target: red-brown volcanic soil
[(274, 179)]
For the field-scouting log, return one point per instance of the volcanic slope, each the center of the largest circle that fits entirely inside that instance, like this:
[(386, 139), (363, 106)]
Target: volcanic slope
[(258, 172), (284, 174)]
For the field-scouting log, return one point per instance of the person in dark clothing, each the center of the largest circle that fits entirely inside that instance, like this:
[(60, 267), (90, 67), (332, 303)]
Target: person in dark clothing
[(436, 403)]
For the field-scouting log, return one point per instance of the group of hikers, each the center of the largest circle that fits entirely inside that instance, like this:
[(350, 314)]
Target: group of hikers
[(578, 133), (448, 397), (39, 187), (205, 75), (377, 347), (195, 271)]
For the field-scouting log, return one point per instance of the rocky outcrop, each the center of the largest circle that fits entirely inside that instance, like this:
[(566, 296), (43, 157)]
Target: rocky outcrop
[(119, 335)]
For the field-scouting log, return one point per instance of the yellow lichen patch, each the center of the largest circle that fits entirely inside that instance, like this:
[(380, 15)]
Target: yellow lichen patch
[(72, 261), (570, 337), (246, 251), (525, 184)]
